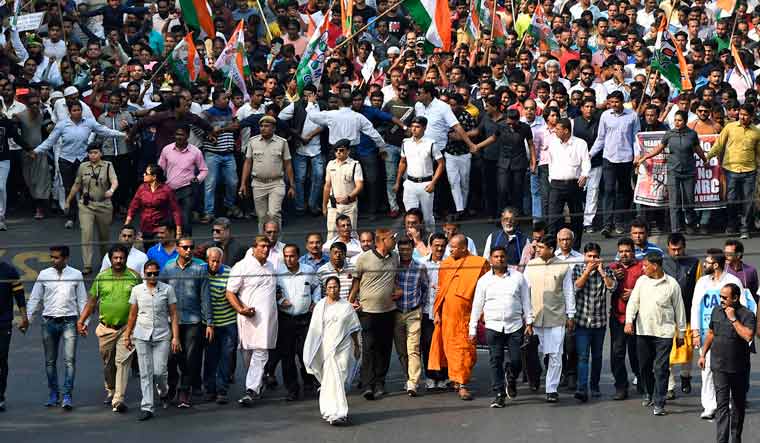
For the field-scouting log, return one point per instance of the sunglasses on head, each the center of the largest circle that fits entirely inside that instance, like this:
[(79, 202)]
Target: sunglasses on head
[(151, 274)]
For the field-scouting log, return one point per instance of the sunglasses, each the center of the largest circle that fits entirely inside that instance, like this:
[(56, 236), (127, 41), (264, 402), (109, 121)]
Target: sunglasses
[(217, 231), (151, 274), (186, 247)]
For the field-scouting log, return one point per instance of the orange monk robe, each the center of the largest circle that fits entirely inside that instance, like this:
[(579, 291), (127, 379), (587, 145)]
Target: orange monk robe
[(451, 347)]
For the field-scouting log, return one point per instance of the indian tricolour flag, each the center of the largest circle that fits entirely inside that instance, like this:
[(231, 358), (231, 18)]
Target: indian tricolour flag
[(725, 8), (197, 15), (434, 17), (185, 61), (233, 61), (541, 32)]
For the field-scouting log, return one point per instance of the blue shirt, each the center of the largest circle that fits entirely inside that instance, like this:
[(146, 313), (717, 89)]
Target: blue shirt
[(75, 137), (158, 254), (192, 290), (616, 135), (366, 145), (307, 259), (413, 281), (650, 247)]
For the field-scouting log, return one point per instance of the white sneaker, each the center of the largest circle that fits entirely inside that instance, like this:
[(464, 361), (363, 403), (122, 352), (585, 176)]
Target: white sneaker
[(707, 415), (69, 224), (430, 384), (443, 384), (635, 381)]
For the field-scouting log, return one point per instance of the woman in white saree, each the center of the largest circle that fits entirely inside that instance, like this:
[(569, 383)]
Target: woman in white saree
[(332, 350)]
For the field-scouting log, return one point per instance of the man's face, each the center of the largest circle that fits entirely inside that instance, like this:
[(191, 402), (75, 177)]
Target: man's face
[(508, 222), (417, 130), (676, 250), (366, 240), (344, 228), (625, 252), (267, 129), (405, 251), (214, 261), (458, 247), (498, 260), (180, 137), (272, 232), (709, 265), (185, 249), (730, 252), (639, 236), (565, 241), (337, 257), (616, 104), (261, 250), (650, 269), (650, 116), (438, 247), (118, 261), (552, 72), (726, 298), (744, 118), (314, 245), (290, 258), (544, 251)]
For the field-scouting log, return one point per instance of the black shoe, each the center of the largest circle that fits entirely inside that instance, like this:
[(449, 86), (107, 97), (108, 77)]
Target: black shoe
[(379, 391), (145, 415), (552, 397), (120, 407), (572, 382), (511, 390), (731, 230), (292, 396), (671, 395), (221, 399), (690, 230), (165, 402), (270, 381), (248, 399), (606, 231), (646, 401), (595, 393), (581, 397), (620, 394), (369, 394), (686, 385), (498, 401), (411, 392)]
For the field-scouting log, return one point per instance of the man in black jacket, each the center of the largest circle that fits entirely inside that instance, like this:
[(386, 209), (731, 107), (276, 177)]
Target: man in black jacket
[(585, 127)]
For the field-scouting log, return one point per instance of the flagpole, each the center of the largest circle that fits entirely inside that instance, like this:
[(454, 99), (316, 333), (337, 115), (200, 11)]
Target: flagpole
[(493, 26), (264, 19), (370, 23)]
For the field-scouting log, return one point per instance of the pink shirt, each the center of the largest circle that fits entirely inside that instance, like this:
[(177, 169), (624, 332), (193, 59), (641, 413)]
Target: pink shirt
[(181, 167)]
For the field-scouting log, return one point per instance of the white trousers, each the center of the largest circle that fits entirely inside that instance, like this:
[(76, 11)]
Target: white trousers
[(592, 195), (458, 172), (709, 402), (5, 167), (415, 196), (255, 359), (551, 339)]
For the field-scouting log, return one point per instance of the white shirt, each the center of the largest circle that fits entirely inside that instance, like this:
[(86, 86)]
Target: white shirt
[(135, 261), (344, 123), (389, 93), (504, 302), (611, 86), (255, 286), (353, 247), (153, 311), (669, 119), (432, 268), (420, 155), (707, 283), (300, 289), (313, 147), (645, 19), (577, 9), (61, 295), (57, 49), (568, 160), (440, 118), (246, 111), (600, 89), (275, 254), (573, 257)]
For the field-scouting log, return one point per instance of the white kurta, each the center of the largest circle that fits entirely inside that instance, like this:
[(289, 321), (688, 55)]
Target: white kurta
[(255, 285), (329, 356)]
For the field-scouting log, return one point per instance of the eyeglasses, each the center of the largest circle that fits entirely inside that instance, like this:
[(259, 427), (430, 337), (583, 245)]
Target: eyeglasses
[(151, 274), (217, 231), (186, 247)]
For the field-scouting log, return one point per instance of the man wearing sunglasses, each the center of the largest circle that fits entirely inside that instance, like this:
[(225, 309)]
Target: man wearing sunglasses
[(189, 278)]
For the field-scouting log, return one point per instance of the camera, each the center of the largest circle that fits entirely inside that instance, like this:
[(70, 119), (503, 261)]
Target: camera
[(86, 199)]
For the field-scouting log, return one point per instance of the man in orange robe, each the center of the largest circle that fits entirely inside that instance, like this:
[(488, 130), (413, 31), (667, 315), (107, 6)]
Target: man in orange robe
[(451, 348)]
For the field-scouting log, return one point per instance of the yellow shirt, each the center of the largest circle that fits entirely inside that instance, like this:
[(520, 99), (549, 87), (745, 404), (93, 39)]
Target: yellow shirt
[(741, 146)]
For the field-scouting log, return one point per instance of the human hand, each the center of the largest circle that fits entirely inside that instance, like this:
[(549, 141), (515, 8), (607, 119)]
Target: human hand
[(679, 342), (23, 325), (82, 329), (291, 193), (108, 194), (628, 329), (626, 294), (570, 325), (529, 330), (286, 303), (176, 346), (128, 343), (730, 313), (582, 182), (430, 188), (395, 188), (437, 319), (243, 191), (702, 362)]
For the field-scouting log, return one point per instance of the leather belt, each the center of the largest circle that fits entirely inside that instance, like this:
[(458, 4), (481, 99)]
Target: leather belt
[(419, 179), (267, 180)]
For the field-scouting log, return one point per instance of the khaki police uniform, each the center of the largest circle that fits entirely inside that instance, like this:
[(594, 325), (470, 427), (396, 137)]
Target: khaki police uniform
[(267, 169), (342, 178), (95, 210)]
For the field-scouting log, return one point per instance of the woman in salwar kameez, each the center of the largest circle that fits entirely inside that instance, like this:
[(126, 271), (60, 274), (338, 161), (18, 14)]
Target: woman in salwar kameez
[(332, 351)]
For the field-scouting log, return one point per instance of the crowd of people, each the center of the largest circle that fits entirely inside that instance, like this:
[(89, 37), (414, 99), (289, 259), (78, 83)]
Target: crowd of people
[(538, 109)]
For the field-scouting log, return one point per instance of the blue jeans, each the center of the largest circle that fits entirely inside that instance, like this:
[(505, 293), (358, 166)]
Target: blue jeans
[(535, 197), (391, 169), (53, 330), (589, 340), (300, 167), (220, 166), (219, 354), (741, 189)]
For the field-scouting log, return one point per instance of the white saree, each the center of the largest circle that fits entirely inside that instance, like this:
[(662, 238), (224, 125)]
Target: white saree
[(328, 354)]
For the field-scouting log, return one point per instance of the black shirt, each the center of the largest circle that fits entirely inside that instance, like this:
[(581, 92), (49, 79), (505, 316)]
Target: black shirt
[(587, 130), (730, 352), (10, 289), (512, 145)]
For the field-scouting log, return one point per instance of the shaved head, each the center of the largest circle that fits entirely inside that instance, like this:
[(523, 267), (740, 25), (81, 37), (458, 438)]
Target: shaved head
[(458, 245)]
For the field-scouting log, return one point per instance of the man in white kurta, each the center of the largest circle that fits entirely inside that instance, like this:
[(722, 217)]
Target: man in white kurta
[(251, 289)]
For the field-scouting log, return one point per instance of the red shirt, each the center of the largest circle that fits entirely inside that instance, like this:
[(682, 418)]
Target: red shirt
[(632, 273), (156, 206)]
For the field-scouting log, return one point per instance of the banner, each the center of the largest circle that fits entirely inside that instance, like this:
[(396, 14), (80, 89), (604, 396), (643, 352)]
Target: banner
[(28, 22), (651, 181)]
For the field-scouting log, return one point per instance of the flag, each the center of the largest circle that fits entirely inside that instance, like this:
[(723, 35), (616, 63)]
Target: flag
[(369, 67), (473, 19), (346, 16), (725, 8), (499, 30), (185, 62), (197, 16), (541, 31), (739, 66), (666, 58), (312, 62), (233, 61), (434, 18)]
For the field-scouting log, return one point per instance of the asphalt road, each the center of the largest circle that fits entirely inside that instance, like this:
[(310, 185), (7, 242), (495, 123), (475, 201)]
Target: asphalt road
[(438, 417)]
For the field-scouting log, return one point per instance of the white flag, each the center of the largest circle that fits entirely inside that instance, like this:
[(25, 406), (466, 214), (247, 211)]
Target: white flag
[(369, 67)]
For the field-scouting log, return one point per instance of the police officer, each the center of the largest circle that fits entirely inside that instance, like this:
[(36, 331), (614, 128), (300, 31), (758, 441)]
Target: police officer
[(267, 159), (344, 182), (96, 179)]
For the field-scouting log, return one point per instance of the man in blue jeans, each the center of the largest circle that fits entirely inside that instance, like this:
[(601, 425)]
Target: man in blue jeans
[(739, 145), (61, 291), (594, 284), (219, 157)]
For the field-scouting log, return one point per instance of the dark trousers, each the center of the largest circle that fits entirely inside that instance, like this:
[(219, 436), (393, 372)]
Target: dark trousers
[(622, 344), (566, 192), (497, 341), (68, 175), (189, 360), (124, 166), (218, 359), (531, 362), (681, 200), (16, 188), (730, 386), (569, 356), (654, 366), (5, 345), (510, 187), (488, 183), (617, 192), (545, 190), (426, 338), (371, 172), (740, 191), (186, 201), (377, 343), (291, 335)]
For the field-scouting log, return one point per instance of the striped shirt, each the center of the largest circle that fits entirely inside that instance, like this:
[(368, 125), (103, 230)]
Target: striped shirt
[(345, 275), (221, 309)]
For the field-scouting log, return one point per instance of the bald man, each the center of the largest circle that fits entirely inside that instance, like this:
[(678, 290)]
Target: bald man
[(451, 347)]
